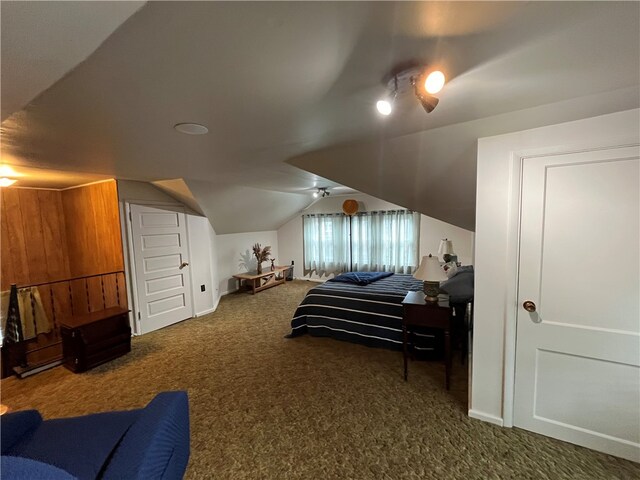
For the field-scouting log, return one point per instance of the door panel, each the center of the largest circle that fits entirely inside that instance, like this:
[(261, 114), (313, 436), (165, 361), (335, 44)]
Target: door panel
[(161, 261), (578, 354)]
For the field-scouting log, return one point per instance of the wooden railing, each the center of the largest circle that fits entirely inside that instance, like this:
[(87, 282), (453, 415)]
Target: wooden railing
[(68, 297)]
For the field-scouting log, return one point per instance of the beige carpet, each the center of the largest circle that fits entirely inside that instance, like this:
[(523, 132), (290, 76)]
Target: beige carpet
[(267, 407)]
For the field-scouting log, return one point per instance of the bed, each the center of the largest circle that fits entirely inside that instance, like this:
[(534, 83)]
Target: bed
[(370, 315)]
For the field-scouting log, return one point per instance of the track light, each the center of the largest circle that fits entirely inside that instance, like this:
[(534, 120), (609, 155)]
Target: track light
[(428, 102), (412, 76), (384, 107), (434, 82), (321, 192)]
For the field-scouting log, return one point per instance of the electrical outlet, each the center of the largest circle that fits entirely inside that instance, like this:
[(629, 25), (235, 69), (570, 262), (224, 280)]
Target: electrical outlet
[(291, 262), (202, 288)]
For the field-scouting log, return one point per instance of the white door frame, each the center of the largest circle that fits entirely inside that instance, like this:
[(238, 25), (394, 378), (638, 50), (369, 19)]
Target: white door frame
[(130, 267), (517, 159)]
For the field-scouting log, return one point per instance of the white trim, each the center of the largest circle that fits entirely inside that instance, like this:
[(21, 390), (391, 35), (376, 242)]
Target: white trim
[(190, 260), (205, 312), (485, 417), (111, 179)]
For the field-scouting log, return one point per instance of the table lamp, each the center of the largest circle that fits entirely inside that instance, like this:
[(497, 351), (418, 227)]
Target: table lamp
[(431, 273), (446, 250)]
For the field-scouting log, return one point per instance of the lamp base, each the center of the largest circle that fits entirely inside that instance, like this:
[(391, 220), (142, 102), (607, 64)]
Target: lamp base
[(431, 291)]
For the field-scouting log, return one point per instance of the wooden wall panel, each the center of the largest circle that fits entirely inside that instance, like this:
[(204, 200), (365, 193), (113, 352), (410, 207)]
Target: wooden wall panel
[(15, 250), (32, 236), (6, 266), (54, 234), (92, 224), (33, 245)]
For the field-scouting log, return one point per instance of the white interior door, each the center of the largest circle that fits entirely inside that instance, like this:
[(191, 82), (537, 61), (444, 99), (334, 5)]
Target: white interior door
[(578, 355), (161, 259)]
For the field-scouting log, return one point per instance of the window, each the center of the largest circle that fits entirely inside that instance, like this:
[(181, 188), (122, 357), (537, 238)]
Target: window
[(326, 243), (385, 241)]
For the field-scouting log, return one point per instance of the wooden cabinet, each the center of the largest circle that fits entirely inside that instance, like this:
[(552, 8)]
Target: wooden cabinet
[(94, 338)]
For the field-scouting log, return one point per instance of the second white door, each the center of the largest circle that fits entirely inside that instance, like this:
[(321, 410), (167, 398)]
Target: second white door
[(578, 341), (161, 258)]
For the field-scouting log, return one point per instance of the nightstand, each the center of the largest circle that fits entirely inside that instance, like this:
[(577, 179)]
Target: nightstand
[(419, 313)]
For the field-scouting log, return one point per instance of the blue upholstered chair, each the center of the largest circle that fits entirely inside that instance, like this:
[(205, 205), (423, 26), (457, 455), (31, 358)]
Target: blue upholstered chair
[(150, 443)]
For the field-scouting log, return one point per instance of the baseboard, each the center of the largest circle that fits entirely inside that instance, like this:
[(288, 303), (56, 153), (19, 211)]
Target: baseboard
[(205, 312), (316, 280), (485, 417)]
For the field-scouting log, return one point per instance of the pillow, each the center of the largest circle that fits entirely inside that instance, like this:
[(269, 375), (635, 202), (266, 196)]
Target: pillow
[(460, 286), (450, 269)]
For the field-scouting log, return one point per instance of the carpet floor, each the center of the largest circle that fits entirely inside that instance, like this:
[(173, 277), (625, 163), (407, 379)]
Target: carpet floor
[(266, 407)]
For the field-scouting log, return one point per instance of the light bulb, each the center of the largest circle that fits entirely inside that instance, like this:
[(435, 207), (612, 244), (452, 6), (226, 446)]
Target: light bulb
[(6, 182), (384, 107), (434, 82), (315, 194)]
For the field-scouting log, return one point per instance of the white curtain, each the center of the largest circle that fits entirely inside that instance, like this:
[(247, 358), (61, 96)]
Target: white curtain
[(326, 243), (385, 241)]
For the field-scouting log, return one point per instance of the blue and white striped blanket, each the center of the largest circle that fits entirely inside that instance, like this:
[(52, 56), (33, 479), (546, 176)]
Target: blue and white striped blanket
[(369, 314)]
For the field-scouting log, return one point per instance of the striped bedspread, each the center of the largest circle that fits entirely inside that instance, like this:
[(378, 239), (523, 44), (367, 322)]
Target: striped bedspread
[(369, 314)]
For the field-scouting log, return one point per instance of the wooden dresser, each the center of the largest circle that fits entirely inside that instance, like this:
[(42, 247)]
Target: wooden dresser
[(94, 338)]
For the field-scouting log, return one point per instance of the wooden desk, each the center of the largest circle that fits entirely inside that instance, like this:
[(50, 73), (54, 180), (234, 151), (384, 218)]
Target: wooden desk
[(418, 313), (94, 338), (267, 279)]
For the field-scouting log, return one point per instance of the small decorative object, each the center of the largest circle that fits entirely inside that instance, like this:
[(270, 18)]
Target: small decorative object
[(262, 255), (431, 273), (273, 266), (350, 207)]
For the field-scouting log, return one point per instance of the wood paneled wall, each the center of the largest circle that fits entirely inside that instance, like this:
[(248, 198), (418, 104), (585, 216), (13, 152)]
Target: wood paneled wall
[(49, 235), (33, 246), (93, 229)]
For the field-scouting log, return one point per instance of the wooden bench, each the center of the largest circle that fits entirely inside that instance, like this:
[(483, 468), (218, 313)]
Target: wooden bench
[(256, 282)]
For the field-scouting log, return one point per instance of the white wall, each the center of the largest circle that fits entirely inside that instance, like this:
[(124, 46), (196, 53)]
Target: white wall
[(496, 254), (431, 231), (202, 239), (235, 255), (202, 245)]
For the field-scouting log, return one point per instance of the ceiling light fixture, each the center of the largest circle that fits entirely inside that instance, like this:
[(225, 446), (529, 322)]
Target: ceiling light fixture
[(434, 82), (321, 192), (7, 182), (191, 128), (385, 105), (412, 76)]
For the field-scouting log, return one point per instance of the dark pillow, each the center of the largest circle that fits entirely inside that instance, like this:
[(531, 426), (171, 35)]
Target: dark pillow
[(460, 286)]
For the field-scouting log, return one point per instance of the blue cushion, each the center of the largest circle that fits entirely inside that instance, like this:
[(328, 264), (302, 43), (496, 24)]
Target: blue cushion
[(79, 445), (17, 426), (163, 429), (360, 278), (17, 468)]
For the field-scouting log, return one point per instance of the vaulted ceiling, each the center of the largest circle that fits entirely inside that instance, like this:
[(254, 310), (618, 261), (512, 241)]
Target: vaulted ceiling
[(282, 85)]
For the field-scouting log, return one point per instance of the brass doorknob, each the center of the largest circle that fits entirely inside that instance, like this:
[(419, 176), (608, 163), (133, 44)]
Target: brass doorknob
[(529, 306)]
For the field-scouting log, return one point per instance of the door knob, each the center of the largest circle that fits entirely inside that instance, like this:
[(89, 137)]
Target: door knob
[(529, 306), (183, 264)]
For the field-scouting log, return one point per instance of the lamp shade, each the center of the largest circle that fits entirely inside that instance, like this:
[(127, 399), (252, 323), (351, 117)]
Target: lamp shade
[(446, 247), (430, 270)]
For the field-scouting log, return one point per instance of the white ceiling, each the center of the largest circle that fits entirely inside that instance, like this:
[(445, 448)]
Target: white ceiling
[(298, 81), (42, 41)]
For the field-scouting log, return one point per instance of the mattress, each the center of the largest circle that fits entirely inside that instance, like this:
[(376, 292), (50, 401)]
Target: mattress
[(370, 314)]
